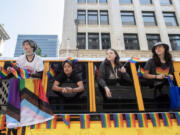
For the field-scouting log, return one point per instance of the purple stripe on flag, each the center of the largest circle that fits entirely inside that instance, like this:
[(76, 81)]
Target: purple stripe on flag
[(14, 95)]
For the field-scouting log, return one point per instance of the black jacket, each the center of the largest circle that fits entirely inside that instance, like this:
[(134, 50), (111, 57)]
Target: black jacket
[(106, 69)]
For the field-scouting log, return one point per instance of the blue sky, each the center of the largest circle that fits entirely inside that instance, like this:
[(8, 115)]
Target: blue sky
[(30, 17)]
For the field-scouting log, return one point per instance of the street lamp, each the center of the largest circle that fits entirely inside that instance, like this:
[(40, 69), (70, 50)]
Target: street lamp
[(76, 21)]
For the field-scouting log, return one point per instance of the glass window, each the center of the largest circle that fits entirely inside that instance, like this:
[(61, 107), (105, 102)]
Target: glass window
[(106, 42), (149, 18), (175, 42), (152, 39), (81, 1), (165, 2), (104, 17), (92, 1), (102, 1), (81, 16), (146, 2), (170, 19), (131, 42), (92, 17), (128, 18), (93, 41), (81, 40), (125, 1)]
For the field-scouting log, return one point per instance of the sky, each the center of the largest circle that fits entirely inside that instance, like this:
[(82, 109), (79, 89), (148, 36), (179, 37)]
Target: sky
[(30, 17)]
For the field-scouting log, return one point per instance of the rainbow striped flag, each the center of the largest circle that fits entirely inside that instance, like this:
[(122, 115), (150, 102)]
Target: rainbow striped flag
[(130, 120), (142, 120), (50, 73), (141, 71), (116, 119), (121, 120), (32, 127), (3, 73), (73, 59), (84, 121), (24, 73), (2, 121), (49, 124), (134, 59), (66, 119), (155, 119), (177, 114), (105, 120), (166, 119), (15, 73)]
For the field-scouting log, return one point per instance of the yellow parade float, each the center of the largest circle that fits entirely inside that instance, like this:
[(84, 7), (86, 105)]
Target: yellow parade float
[(133, 109)]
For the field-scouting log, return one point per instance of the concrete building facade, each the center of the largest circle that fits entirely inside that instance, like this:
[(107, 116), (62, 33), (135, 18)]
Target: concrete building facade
[(3, 36), (129, 26)]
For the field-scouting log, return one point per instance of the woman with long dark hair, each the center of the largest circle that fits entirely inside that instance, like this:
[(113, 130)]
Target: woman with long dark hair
[(161, 64), (110, 72)]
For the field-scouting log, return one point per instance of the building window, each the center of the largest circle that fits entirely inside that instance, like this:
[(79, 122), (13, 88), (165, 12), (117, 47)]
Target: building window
[(175, 42), (92, 17), (104, 17), (81, 41), (165, 2), (81, 16), (125, 1), (102, 1), (152, 39), (106, 42), (146, 2), (128, 18), (131, 42), (92, 1), (170, 19), (149, 18), (93, 41), (81, 1)]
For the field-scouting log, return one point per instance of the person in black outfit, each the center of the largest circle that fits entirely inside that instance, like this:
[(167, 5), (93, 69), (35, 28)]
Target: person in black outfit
[(156, 71), (111, 72), (160, 66), (68, 76)]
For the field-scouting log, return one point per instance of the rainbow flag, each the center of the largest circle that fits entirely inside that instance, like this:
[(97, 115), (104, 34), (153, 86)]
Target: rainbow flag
[(116, 119), (141, 71), (134, 59), (3, 73), (73, 59), (15, 73), (66, 119), (155, 119), (159, 71), (24, 73), (130, 120), (84, 121), (140, 120), (49, 124), (166, 119), (32, 127), (50, 73), (105, 120), (177, 114), (2, 121), (121, 120)]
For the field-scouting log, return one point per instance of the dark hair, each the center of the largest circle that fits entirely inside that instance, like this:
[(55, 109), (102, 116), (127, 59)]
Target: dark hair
[(117, 58), (167, 57), (31, 43), (69, 62)]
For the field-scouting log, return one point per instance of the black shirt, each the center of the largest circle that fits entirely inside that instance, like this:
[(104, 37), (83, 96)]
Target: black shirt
[(162, 69)]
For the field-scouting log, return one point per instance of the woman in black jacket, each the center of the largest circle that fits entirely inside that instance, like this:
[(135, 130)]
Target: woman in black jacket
[(111, 71)]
